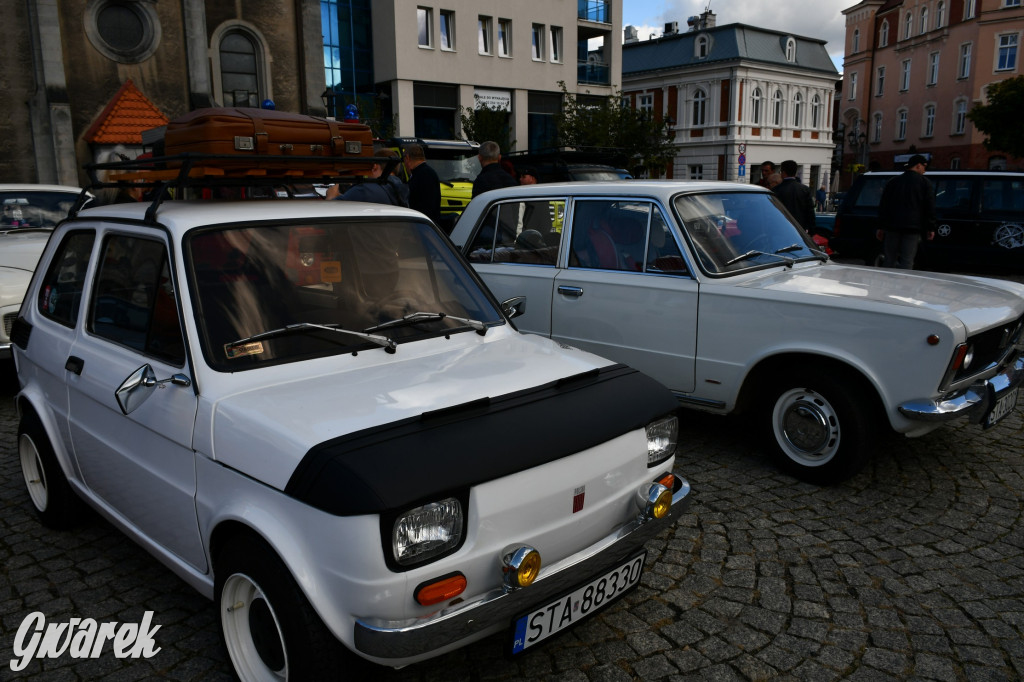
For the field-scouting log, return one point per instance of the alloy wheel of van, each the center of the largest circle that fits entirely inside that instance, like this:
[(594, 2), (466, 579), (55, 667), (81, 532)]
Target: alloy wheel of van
[(54, 502)]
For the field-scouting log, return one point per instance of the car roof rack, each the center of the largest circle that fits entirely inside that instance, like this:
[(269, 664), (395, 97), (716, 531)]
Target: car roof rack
[(192, 170)]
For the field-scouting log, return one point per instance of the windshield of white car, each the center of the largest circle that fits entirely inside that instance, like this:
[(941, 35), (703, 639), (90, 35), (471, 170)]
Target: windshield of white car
[(284, 292), (736, 231)]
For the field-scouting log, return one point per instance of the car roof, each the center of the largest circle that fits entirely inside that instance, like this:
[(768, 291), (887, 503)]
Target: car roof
[(28, 187), (180, 216), (946, 171), (663, 188)]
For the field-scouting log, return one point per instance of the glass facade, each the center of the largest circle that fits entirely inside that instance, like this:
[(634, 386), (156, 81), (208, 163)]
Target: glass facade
[(348, 53)]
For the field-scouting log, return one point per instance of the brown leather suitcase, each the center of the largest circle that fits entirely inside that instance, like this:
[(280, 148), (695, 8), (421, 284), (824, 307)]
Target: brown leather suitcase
[(250, 132)]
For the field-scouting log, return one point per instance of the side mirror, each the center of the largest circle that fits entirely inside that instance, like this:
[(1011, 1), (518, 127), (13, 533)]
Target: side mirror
[(137, 388), (514, 307)]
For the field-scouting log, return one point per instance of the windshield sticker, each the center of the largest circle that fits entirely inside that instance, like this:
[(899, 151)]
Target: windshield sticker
[(243, 349), (330, 271)]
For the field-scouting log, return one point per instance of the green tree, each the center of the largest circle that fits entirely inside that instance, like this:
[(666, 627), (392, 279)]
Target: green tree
[(587, 121), (484, 123), (999, 118)]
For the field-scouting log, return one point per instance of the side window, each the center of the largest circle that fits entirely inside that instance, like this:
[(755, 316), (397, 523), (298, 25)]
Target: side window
[(133, 303), (871, 193), (60, 296), (1003, 195), (663, 254), (952, 195), (526, 232), (613, 235)]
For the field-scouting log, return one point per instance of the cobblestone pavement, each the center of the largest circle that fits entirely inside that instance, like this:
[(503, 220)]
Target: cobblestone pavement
[(914, 569)]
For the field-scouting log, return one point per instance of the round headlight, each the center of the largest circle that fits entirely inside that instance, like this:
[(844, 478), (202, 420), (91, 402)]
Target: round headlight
[(521, 566)]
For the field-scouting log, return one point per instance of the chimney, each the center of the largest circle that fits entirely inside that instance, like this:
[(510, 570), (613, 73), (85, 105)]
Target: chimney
[(707, 19), (631, 34)]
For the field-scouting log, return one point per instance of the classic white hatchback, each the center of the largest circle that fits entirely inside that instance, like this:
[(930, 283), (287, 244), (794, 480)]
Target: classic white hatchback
[(710, 288), (314, 413)]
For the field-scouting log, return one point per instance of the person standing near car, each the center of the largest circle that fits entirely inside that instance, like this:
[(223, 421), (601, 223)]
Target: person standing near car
[(424, 183), (796, 196), (492, 175), (906, 213)]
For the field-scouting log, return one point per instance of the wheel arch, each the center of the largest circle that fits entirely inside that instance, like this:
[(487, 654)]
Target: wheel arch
[(26, 405)]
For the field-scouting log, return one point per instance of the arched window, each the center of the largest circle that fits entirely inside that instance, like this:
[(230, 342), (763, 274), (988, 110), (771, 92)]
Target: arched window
[(940, 14), (815, 112), (756, 102), (908, 24), (924, 20), (790, 50), (901, 124), (239, 70), (777, 108), (798, 109), (960, 117), (929, 121), (701, 47), (856, 40), (876, 129), (883, 33), (700, 100)]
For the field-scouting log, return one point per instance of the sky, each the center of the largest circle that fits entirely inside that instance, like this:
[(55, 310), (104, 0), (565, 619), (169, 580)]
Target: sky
[(822, 19)]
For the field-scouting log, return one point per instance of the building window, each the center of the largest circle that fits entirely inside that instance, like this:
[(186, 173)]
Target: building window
[(790, 50), (853, 85), (484, 34), (963, 69), (969, 9), (1007, 60), (954, 163), (876, 129), (798, 109), (997, 163), (924, 20), (425, 26), (905, 75), (856, 40), (1011, 3), (880, 81), (645, 102), (700, 101), (556, 44), (901, 124), (940, 14), (697, 172), (447, 29), (933, 68), (537, 41), (435, 110), (126, 32), (960, 117), (756, 102), (777, 108), (504, 37), (701, 47), (883, 33), (929, 120), (816, 112), (239, 70), (908, 25)]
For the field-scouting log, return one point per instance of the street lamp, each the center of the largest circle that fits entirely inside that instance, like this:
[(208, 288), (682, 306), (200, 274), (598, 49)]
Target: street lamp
[(329, 98), (858, 142)]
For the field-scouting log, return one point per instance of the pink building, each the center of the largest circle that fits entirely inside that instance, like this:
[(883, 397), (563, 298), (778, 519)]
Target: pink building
[(912, 71)]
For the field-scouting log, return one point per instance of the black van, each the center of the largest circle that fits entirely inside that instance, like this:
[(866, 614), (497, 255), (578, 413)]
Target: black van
[(979, 221)]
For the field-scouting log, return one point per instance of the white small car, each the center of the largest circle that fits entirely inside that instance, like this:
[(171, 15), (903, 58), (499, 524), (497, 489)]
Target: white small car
[(712, 289), (314, 413), (29, 213)]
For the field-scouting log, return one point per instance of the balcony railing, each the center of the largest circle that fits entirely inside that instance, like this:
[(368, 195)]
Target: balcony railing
[(595, 10), (593, 72)]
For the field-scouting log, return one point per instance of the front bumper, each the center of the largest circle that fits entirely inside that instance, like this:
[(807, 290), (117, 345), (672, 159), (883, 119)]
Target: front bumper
[(496, 609), (972, 402)]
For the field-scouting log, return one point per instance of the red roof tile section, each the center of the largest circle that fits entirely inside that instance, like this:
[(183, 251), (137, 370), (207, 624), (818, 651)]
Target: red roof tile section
[(124, 118)]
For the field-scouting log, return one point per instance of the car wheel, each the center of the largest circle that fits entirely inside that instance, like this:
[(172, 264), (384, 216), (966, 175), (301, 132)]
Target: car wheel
[(55, 503), (821, 427), (269, 627)]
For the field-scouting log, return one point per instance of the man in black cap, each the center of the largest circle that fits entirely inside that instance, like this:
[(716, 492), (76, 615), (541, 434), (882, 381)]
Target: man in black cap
[(906, 214)]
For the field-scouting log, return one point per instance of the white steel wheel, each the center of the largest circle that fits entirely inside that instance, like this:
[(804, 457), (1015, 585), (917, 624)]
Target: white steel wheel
[(806, 427), (252, 632), (34, 471)]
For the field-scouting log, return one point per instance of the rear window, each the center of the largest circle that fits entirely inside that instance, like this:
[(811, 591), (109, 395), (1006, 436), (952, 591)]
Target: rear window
[(870, 194)]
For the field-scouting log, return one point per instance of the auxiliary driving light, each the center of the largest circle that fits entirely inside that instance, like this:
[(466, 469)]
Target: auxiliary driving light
[(520, 565), (655, 501)]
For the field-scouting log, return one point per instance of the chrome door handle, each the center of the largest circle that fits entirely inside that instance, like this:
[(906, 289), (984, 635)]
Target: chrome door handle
[(570, 291)]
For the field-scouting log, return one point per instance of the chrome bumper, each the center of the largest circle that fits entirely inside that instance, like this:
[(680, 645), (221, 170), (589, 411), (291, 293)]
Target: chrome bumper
[(972, 402), (397, 640)]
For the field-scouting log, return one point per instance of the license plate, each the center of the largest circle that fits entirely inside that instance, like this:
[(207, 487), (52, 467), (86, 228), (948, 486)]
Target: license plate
[(551, 619), (1002, 407)]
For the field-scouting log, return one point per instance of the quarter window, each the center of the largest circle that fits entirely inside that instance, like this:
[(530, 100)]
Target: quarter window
[(60, 295)]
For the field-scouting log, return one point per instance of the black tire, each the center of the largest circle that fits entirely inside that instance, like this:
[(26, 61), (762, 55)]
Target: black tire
[(54, 502), (269, 628), (820, 423)]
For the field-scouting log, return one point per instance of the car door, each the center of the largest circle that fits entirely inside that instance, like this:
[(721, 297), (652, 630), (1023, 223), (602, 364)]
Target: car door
[(957, 236), (626, 291), (515, 250), (140, 464)]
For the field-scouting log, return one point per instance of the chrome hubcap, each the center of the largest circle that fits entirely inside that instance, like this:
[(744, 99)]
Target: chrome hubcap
[(806, 427)]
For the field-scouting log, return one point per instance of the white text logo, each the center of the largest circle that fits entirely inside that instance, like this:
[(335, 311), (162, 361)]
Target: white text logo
[(82, 638)]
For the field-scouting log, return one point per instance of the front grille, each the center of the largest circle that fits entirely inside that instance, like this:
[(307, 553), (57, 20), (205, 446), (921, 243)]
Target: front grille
[(991, 347)]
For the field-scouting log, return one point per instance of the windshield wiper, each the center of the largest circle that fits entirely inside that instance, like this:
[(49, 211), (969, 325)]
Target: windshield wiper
[(413, 318), (753, 254), (791, 247), (387, 343)]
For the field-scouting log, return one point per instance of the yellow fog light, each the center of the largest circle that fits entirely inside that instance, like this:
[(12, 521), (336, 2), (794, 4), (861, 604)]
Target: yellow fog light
[(520, 565), (655, 501)]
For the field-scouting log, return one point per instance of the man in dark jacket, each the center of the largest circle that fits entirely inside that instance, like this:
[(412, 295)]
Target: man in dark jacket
[(424, 185), (795, 196), (492, 175), (906, 214)]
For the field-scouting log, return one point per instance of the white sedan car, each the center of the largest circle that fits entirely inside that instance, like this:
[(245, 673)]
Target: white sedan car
[(314, 413), (710, 288)]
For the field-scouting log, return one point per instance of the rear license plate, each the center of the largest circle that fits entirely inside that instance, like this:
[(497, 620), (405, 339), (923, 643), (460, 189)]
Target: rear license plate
[(551, 619), (1002, 407)]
